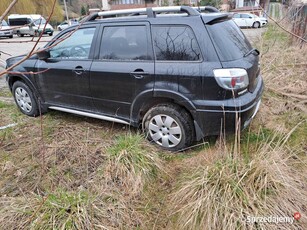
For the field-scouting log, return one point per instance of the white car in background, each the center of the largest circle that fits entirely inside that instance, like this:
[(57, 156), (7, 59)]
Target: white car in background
[(5, 30), (249, 20), (63, 26), (29, 24), (66, 24)]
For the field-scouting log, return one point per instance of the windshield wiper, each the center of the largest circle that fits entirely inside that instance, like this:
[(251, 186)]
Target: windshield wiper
[(252, 51)]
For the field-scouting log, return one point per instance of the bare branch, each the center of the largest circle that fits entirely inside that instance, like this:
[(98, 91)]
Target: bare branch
[(284, 29), (40, 50)]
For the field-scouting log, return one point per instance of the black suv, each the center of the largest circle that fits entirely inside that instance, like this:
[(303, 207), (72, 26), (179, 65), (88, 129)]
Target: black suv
[(181, 74)]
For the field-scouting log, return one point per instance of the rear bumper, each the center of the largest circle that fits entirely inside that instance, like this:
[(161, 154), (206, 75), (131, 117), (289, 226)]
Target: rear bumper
[(228, 115)]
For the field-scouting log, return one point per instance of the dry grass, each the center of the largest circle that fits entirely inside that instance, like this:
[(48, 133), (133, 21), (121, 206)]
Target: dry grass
[(222, 193), (284, 72), (67, 178)]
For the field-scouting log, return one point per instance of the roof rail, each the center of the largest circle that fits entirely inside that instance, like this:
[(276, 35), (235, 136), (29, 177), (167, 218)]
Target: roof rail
[(150, 12)]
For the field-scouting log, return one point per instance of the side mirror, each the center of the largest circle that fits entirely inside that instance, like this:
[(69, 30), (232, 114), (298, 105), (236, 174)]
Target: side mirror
[(43, 55)]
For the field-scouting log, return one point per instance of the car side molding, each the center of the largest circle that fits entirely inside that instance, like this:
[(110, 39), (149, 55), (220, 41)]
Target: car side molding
[(87, 114)]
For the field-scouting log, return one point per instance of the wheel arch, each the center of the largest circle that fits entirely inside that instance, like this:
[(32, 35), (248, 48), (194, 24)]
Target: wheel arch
[(146, 100), (12, 79)]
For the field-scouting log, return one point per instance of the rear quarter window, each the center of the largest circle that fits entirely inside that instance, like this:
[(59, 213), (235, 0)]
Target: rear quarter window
[(175, 43), (229, 41)]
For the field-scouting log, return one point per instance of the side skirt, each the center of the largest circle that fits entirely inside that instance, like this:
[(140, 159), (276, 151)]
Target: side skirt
[(86, 114)]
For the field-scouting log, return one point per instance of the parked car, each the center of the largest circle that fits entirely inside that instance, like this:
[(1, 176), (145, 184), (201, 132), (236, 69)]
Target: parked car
[(249, 20), (5, 30), (32, 24), (66, 24), (63, 26), (180, 77)]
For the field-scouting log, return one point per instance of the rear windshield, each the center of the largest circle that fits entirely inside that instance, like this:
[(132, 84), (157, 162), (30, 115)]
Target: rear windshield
[(229, 40)]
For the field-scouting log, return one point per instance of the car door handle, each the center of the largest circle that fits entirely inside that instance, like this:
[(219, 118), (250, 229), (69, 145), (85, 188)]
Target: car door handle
[(139, 73), (79, 70)]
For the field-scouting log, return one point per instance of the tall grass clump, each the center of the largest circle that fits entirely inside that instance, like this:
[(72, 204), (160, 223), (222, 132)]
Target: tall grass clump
[(224, 193), (132, 163)]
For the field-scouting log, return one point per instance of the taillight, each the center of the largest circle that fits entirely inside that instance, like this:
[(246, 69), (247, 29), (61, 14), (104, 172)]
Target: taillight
[(231, 79)]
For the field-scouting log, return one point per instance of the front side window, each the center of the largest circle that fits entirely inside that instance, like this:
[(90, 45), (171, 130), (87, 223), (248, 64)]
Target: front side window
[(124, 43), (175, 43), (75, 46)]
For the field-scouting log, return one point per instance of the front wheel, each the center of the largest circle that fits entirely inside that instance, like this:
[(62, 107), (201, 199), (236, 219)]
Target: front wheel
[(169, 126), (256, 25), (25, 99)]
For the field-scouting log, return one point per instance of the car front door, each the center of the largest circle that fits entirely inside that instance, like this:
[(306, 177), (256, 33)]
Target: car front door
[(63, 78), (247, 20), (124, 69)]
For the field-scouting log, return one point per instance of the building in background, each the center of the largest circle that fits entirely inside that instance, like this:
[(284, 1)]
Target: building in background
[(258, 7)]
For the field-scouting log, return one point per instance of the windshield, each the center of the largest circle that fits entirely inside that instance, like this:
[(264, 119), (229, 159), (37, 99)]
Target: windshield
[(39, 21), (4, 23), (229, 41)]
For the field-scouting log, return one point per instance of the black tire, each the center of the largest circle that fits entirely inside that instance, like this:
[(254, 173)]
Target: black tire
[(256, 25), (25, 99), (169, 126), (11, 36), (19, 34), (37, 34), (50, 34)]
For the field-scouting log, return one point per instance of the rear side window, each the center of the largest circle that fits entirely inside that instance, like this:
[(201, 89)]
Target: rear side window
[(229, 40), (124, 43), (19, 21), (175, 43)]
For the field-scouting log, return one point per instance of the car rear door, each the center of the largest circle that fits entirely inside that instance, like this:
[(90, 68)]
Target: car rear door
[(123, 69)]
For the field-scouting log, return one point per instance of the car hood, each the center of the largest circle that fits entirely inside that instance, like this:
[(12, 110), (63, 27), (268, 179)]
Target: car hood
[(48, 26), (262, 19), (5, 28), (11, 61)]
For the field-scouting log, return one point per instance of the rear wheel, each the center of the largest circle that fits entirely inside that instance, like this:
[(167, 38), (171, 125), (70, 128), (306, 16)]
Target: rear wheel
[(256, 25), (37, 34), (25, 99), (169, 126)]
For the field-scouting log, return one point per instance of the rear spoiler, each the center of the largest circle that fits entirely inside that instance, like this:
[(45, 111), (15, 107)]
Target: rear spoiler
[(216, 17)]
